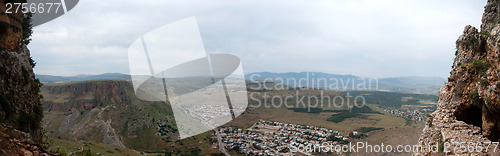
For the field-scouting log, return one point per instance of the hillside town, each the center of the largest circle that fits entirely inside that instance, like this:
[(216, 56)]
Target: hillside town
[(276, 138)]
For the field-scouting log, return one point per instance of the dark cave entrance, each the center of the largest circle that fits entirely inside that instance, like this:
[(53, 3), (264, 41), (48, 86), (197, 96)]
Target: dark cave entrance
[(471, 115)]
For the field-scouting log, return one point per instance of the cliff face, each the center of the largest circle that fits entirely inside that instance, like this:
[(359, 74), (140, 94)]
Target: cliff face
[(20, 107), (20, 102), (469, 104), (106, 111)]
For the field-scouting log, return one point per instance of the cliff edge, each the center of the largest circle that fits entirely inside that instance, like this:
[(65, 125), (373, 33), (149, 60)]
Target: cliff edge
[(21, 110), (469, 104)]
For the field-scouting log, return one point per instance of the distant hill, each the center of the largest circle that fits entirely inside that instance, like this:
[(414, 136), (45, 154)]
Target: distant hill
[(415, 85), (423, 85), (105, 76)]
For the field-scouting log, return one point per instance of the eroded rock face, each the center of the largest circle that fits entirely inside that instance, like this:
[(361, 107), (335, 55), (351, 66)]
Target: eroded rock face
[(20, 105), (469, 104), (21, 111)]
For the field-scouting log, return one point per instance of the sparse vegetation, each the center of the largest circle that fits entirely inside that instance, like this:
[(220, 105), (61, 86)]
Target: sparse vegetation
[(87, 152), (480, 67), (59, 151), (32, 62), (342, 116), (357, 136), (368, 129), (29, 121), (486, 33), (473, 95), (472, 43), (27, 28), (483, 81), (428, 115), (463, 66)]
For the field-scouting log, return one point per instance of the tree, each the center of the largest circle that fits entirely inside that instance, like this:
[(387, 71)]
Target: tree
[(27, 28)]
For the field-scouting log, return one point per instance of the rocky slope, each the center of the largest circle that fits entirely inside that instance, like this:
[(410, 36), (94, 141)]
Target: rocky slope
[(99, 111), (469, 104), (107, 111)]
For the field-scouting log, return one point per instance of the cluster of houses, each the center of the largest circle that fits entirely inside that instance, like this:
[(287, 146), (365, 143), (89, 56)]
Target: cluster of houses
[(276, 138), (207, 114), (415, 115)]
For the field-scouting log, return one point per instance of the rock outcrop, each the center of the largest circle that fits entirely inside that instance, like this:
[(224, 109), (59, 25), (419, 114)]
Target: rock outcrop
[(21, 111), (469, 104)]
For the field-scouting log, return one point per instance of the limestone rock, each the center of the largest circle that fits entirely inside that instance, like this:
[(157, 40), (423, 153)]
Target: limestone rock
[(469, 104)]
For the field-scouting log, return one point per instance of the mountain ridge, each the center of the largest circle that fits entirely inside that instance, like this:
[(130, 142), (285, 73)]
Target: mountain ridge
[(404, 84), (408, 84)]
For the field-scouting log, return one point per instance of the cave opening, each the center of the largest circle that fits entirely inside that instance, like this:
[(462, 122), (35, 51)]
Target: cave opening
[(471, 115)]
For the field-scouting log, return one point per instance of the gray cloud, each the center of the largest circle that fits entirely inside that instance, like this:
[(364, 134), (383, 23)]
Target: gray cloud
[(374, 38)]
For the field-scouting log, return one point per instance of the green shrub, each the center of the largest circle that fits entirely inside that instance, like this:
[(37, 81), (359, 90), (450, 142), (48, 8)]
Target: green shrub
[(480, 67), (463, 66), (428, 115), (29, 121), (87, 152), (27, 27), (59, 151), (472, 43), (486, 33), (32, 62), (483, 82), (473, 95), (24, 121)]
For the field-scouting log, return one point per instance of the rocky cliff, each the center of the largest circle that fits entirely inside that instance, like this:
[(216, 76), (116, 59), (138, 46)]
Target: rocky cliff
[(20, 106), (107, 111), (469, 104)]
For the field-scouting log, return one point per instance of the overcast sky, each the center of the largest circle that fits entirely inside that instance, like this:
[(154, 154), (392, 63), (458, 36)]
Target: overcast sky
[(369, 38)]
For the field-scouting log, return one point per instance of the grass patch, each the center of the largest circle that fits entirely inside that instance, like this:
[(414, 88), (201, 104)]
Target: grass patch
[(368, 129), (342, 116), (364, 109), (307, 110)]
